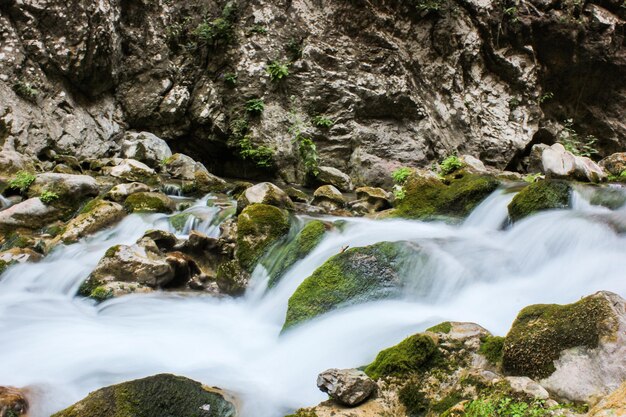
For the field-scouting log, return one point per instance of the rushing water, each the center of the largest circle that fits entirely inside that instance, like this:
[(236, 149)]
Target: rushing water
[(63, 346)]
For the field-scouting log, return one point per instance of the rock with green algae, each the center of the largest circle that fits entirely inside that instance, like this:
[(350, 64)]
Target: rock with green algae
[(413, 354), (161, 395), (538, 196), (305, 241), (149, 203), (259, 226), (576, 350), (356, 275), (431, 198), (94, 217)]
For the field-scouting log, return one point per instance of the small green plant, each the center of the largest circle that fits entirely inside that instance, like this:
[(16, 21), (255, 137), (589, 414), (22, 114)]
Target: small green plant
[(400, 175), (506, 407), (255, 106), (101, 294), (26, 91), (530, 178), (262, 156), (413, 400), (218, 31), (308, 153), (48, 197), (545, 97), (277, 70), (21, 181), (294, 49), (259, 29), (511, 13), (574, 143), (450, 164), (322, 121), (428, 5), (230, 79), (399, 192)]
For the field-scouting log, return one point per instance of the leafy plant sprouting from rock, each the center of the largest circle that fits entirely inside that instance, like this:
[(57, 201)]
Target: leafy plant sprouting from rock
[(306, 147), (576, 144), (400, 176), (277, 70), (450, 164), (26, 91), (48, 197), (21, 181), (322, 121), (230, 79), (262, 156), (255, 106), (294, 49), (214, 33)]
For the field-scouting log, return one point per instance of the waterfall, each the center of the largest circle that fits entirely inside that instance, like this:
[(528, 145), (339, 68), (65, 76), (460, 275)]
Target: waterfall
[(65, 346), (4, 202)]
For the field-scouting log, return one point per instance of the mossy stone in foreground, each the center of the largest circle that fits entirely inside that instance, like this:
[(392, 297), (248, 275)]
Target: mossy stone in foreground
[(541, 332), (413, 354), (258, 227), (149, 203), (156, 396), (429, 197), (356, 275), (305, 241), (538, 196)]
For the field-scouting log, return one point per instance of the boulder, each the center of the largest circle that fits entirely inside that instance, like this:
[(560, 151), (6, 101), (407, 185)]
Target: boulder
[(259, 226), (349, 387), (539, 196), (19, 255), (527, 386), (615, 164), (159, 395), (13, 402), (296, 195), (30, 214), (613, 405), (575, 351), (264, 193), (96, 216), (145, 147), (149, 203), (12, 162), (557, 162), (196, 178), (329, 198), (132, 171), (69, 187), (371, 200), (333, 176), (120, 192), (473, 164)]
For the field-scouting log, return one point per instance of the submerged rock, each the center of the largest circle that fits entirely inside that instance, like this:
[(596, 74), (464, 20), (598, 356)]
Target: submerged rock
[(349, 387), (576, 351), (539, 196), (156, 396)]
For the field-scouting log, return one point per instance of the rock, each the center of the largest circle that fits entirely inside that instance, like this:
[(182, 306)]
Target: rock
[(473, 165), (556, 162), (411, 355), (539, 196), (372, 199), (333, 176), (13, 402), (355, 275), (120, 192), (349, 387), (297, 196), (159, 395), (264, 193), (575, 351), (19, 255), (96, 216), (12, 162), (527, 386), (305, 241), (164, 240), (615, 164), (145, 147), (612, 405), (430, 198), (29, 214), (149, 203), (329, 198), (69, 187), (259, 226), (197, 178), (133, 171)]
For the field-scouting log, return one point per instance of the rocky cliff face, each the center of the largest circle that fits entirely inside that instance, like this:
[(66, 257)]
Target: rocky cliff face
[(373, 84)]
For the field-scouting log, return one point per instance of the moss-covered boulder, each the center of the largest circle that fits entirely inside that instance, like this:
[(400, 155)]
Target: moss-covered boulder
[(356, 275), (149, 203), (259, 226), (94, 217), (431, 198), (413, 354), (304, 242), (538, 196), (156, 396), (576, 349)]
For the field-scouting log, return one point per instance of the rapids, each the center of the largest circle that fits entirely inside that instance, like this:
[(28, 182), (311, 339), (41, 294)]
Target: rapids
[(483, 271)]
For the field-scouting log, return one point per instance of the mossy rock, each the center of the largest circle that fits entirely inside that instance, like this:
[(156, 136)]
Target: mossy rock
[(538, 196), (305, 241), (179, 220), (149, 203), (156, 396), (414, 354), (356, 275), (431, 198), (610, 198), (491, 348), (541, 332), (259, 226), (444, 328)]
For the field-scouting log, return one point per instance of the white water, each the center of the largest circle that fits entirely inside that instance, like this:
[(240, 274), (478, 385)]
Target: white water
[(66, 346)]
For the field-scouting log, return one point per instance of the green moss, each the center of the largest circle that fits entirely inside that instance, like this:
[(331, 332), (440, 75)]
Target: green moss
[(101, 294), (3, 266), (48, 197), (22, 181), (88, 286), (147, 203), (258, 227), (444, 327), (303, 413), (450, 164), (541, 332), (415, 353), (447, 402), (414, 400), (304, 242), (112, 251), (160, 395), (538, 196), (427, 198), (610, 198), (15, 240), (491, 348), (356, 275), (179, 220), (90, 205)]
